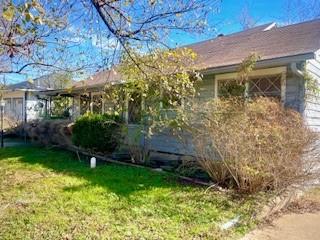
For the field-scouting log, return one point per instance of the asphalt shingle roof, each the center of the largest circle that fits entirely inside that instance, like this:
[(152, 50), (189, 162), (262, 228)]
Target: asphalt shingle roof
[(25, 85), (268, 41)]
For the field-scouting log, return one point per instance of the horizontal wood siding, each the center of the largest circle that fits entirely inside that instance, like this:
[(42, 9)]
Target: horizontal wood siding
[(162, 142), (294, 92), (312, 106), (166, 141), (206, 88)]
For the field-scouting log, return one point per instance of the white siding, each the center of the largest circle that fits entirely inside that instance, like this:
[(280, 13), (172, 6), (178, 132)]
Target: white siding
[(34, 111), (312, 105), (15, 112)]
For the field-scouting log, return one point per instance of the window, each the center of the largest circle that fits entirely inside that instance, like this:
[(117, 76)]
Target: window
[(228, 88), (267, 86), (7, 106), (264, 86)]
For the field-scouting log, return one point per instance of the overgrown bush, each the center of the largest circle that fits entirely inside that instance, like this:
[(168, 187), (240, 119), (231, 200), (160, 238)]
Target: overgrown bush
[(50, 132), (252, 145), (97, 132)]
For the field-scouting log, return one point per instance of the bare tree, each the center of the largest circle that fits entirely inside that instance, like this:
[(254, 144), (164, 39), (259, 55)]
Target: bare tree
[(42, 34), (149, 20), (245, 18), (146, 24)]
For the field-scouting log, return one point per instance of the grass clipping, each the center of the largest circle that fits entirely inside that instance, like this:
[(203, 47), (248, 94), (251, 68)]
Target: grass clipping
[(253, 145)]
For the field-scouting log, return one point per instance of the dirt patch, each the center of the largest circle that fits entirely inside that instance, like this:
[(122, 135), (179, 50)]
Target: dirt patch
[(303, 206)]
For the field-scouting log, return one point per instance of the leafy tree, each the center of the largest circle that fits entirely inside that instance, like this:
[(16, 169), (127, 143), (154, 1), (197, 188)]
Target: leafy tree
[(60, 104), (57, 80), (163, 79), (27, 29), (161, 85)]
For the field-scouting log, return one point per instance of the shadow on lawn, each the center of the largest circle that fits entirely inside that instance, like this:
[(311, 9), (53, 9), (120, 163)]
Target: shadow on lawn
[(121, 180)]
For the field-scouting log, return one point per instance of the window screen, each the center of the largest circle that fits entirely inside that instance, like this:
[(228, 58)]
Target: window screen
[(267, 86)]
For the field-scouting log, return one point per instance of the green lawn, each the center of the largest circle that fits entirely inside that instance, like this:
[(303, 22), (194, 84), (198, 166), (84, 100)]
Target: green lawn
[(49, 194)]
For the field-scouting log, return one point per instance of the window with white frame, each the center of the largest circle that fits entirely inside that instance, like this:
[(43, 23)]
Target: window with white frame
[(262, 83), (265, 86)]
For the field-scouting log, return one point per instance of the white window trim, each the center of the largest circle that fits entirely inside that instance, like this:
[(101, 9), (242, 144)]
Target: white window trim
[(255, 73)]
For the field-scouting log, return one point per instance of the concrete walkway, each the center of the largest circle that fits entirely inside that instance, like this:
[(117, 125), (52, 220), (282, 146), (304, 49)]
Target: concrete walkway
[(12, 142), (293, 226), (301, 221)]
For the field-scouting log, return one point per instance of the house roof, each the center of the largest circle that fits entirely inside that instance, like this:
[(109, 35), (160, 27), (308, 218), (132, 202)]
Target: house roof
[(25, 86), (99, 78), (268, 41)]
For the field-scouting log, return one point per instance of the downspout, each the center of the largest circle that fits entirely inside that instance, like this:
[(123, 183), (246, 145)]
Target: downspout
[(296, 71)]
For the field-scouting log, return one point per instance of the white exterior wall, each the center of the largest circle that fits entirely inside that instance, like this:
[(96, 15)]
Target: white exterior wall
[(16, 107), (33, 108), (312, 100)]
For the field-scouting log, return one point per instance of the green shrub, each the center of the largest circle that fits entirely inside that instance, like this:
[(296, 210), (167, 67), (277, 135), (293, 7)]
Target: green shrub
[(97, 132)]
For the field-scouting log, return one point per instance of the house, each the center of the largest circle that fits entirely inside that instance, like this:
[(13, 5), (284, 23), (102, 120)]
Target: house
[(287, 53), (22, 103)]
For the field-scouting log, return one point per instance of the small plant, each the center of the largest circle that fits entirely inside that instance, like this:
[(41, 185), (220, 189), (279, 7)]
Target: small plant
[(253, 145), (97, 132)]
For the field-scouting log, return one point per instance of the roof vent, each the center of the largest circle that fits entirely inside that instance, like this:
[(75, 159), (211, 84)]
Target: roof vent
[(271, 26)]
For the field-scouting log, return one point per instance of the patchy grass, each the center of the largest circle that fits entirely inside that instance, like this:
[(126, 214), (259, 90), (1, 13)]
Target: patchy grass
[(49, 194)]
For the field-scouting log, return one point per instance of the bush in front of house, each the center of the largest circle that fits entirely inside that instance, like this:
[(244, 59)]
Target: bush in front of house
[(253, 146), (97, 132)]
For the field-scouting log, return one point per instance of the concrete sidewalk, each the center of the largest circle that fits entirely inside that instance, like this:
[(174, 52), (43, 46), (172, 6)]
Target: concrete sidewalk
[(292, 226), (300, 221)]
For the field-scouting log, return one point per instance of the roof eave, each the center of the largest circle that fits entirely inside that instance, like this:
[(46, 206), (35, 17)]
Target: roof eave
[(22, 90), (216, 70), (72, 91), (272, 62)]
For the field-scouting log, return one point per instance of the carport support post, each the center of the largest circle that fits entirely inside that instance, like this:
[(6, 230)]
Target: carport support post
[(2, 103), (25, 115), (91, 102)]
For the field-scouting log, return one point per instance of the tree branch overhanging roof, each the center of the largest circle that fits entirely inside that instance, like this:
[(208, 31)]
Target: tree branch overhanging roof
[(268, 40)]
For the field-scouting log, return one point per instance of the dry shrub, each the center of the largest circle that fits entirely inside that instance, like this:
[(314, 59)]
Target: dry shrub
[(253, 145), (50, 132), (136, 142)]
